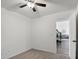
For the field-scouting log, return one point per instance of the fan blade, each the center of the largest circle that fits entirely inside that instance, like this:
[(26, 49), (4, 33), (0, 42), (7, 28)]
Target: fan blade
[(40, 4), (34, 10), (23, 5)]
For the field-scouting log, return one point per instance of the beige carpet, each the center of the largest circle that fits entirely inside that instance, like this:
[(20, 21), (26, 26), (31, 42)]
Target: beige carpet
[(37, 54)]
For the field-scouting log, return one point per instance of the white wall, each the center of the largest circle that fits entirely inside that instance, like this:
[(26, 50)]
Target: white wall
[(44, 33), (16, 32), (63, 26)]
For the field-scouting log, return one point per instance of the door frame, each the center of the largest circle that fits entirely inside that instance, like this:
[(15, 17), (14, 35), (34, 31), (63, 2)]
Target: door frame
[(76, 37)]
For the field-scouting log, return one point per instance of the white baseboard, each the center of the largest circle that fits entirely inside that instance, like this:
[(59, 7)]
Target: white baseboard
[(19, 53), (51, 51)]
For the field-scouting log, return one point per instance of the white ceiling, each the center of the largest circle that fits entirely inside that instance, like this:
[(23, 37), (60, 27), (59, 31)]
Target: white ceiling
[(66, 3), (53, 6)]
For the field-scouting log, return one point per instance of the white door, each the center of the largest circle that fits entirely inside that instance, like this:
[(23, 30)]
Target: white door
[(72, 50)]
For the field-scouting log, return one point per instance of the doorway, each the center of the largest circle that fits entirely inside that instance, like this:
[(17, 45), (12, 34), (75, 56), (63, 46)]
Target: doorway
[(62, 37)]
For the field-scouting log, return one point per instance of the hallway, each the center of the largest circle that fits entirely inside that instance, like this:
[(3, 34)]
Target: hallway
[(63, 47)]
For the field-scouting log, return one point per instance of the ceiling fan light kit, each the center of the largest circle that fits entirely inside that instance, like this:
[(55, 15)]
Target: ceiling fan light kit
[(30, 5)]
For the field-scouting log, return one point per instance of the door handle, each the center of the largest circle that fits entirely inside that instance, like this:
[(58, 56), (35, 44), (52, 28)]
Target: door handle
[(74, 41)]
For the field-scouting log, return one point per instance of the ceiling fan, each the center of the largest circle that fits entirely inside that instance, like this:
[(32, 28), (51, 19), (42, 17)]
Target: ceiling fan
[(32, 4)]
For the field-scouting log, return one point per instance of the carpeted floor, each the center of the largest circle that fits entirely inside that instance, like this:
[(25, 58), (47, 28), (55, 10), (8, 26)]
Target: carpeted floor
[(38, 54)]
